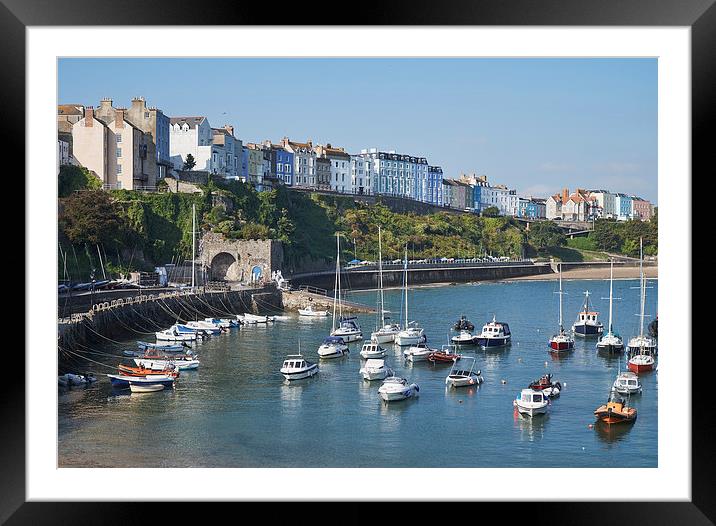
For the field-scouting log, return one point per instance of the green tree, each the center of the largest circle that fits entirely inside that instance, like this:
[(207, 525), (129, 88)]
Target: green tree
[(189, 163), (91, 217), (72, 178), (545, 234)]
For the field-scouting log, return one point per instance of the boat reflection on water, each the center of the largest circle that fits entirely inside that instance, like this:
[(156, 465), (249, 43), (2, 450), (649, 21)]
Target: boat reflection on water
[(531, 428), (614, 433), (493, 358), (468, 391)]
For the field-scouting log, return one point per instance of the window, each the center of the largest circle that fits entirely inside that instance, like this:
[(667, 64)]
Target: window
[(119, 152), (119, 137), (119, 168)]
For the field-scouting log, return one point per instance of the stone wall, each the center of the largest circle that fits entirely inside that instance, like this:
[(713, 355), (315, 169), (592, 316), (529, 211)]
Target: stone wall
[(242, 260)]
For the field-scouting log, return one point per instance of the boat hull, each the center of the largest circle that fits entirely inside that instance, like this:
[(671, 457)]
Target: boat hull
[(307, 373), (487, 343), (371, 375), (585, 330), (610, 347), (396, 396), (561, 346), (162, 365), (350, 337), (463, 381), (531, 411), (640, 368), (383, 337)]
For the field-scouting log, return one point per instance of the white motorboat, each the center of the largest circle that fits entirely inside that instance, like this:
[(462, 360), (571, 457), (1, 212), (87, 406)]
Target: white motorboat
[(531, 402), (252, 319), (173, 335), (222, 322), (494, 334), (418, 353), (310, 311), (562, 341), (627, 383), (333, 347), (372, 349), (204, 326), (460, 376), (375, 370), (295, 367), (385, 332), (464, 337), (611, 341), (395, 388), (411, 334)]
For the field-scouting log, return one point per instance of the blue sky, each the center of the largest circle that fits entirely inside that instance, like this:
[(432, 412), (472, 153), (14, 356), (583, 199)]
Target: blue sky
[(536, 125)]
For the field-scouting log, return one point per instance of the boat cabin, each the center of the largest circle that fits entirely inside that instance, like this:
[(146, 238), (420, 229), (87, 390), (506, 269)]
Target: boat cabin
[(333, 340), (495, 329), (374, 364), (585, 317), (628, 380), (371, 346), (350, 323), (294, 362), (531, 396)]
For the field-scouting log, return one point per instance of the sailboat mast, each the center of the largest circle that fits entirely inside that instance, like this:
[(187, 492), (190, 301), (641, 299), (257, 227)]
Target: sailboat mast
[(380, 277), (560, 297), (193, 244), (643, 288), (405, 266), (336, 283), (611, 284)]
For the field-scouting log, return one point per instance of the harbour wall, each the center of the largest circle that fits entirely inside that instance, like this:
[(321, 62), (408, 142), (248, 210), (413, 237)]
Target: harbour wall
[(141, 316), (368, 279)]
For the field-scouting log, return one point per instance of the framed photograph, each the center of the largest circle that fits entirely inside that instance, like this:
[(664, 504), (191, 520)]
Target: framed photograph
[(413, 258)]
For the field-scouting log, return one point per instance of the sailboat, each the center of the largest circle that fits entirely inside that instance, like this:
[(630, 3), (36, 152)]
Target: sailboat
[(348, 330), (587, 323), (611, 342), (387, 332), (641, 348), (411, 334), (562, 341)]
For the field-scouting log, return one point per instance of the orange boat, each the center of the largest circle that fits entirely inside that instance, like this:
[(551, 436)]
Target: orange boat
[(615, 411), (444, 355), (129, 370)]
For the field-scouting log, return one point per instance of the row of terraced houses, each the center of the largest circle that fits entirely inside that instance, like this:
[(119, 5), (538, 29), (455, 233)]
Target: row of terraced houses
[(137, 146)]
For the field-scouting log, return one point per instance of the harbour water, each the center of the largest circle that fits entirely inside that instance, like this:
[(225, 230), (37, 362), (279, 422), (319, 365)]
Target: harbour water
[(236, 410)]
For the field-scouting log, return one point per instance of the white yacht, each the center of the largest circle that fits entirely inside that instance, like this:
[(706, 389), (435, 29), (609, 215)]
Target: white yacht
[(295, 367), (641, 348), (411, 334), (611, 341), (460, 376), (375, 370), (372, 349), (531, 402), (348, 329), (395, 388), (562, 341), (386, 332)]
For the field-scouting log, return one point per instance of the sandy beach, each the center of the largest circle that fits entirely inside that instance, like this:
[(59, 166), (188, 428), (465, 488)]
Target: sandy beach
[(596, 273)]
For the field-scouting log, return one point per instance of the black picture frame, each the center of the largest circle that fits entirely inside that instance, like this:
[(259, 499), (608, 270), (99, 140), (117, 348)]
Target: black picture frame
[(699, 15)]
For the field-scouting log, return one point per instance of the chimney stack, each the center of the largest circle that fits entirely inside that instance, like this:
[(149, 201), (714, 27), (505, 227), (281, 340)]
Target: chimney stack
[(229, 129), (119, 119), (89, 116), (565, 195)]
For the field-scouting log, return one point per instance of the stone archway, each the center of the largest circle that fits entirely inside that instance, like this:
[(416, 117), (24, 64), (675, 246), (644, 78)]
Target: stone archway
[(224, 267)]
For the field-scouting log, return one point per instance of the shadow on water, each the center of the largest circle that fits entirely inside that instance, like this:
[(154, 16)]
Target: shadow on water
[(613, 433)]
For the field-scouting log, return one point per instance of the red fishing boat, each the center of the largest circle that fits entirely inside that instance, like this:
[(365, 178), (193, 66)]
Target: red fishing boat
[(562, 341)]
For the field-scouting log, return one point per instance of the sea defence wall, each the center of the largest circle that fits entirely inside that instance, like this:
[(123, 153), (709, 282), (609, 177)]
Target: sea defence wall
[(141, 316), (356, 279)]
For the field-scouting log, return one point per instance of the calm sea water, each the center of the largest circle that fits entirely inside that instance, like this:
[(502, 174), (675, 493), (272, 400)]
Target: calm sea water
[(237, 411)]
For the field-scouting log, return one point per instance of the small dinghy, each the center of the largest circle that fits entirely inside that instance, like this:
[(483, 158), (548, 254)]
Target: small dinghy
[(461, 377), (395, 388), (145, 388), (464, 337), (296, 368), (463, 324), (375, 370), (333, 347), (547, 386), (179, 347), (446, 354), (371, 349), (531, 402), (120, 381), (615, 411), (172, 334)]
